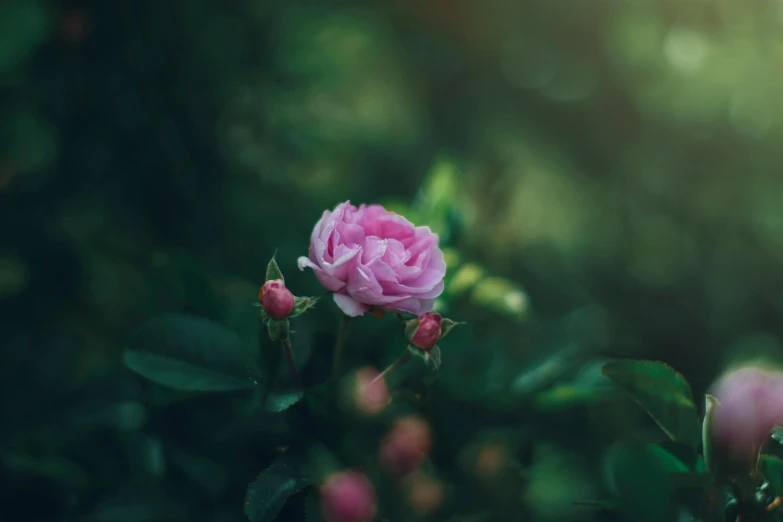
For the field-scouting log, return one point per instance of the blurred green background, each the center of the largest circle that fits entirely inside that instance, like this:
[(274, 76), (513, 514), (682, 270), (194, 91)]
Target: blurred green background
[(606, 176)]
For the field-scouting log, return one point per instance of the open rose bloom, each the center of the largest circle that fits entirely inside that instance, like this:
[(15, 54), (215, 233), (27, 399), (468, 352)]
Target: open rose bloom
[(370, 257)]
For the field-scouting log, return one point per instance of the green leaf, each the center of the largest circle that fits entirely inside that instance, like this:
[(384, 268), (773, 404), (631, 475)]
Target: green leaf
[(273, 487), (663, 393), (281, 401), (668, 461), (273, 271), (204, 472), (24, 25), (447, 325), (192, 354), (301, 305), (278, 330), (771, 468), (706, 433), (639, 477)]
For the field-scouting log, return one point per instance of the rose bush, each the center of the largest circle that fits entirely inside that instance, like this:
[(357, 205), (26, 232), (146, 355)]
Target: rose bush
[(370, 257)]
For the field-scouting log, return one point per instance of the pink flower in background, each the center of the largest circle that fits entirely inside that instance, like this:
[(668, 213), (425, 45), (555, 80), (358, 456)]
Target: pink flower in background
[(370, 257), (369, 394), (348, 497), (405, 446), (751, 405)]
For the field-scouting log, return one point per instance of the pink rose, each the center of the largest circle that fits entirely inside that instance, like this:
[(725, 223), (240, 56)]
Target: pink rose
[(372, 257), (751, 405)]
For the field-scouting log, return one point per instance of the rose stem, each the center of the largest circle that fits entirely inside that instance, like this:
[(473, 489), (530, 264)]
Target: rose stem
[(404, 358), (292, 364), (339, 345)]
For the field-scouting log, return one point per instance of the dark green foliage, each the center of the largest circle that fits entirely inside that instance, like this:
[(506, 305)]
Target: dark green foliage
[(192, 354), (640, 475), (273, 487), (663, 393), (604, 178)]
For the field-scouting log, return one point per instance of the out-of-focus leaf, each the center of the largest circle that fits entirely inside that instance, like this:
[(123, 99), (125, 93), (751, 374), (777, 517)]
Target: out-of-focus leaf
[(58, 469), (670, 462), (204, 472), (465, 278), (663, 393), (566, 396), (639, 477), (313, 508), (771, 468), (24, 25), (137, 505), (436, 196), (273, 487), (502, 296), (193, 354)]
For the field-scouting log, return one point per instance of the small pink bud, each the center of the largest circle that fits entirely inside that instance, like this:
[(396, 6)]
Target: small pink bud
[(369, 395), (750, 406), (406, 446), (276, 300), (428, 331), (348, 497)]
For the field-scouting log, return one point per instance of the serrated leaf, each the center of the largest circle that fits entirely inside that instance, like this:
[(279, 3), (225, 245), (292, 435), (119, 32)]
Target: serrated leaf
[(267, 495), (663, 393), (641, 482), (192, 354), (281, 401)]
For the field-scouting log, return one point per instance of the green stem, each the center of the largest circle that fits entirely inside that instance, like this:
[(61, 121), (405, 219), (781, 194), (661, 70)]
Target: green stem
[(339, 346), (292, 364), (404, 358)]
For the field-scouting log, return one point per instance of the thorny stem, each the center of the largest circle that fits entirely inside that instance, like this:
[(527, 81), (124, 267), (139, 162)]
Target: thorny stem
[(292, 364), (339, 346), (404, 358)]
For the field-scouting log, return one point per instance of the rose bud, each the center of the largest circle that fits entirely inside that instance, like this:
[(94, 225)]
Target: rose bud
[(368, 394), (405, 446), (426, 332), (750, 406), (276, 300), (348, 497)]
